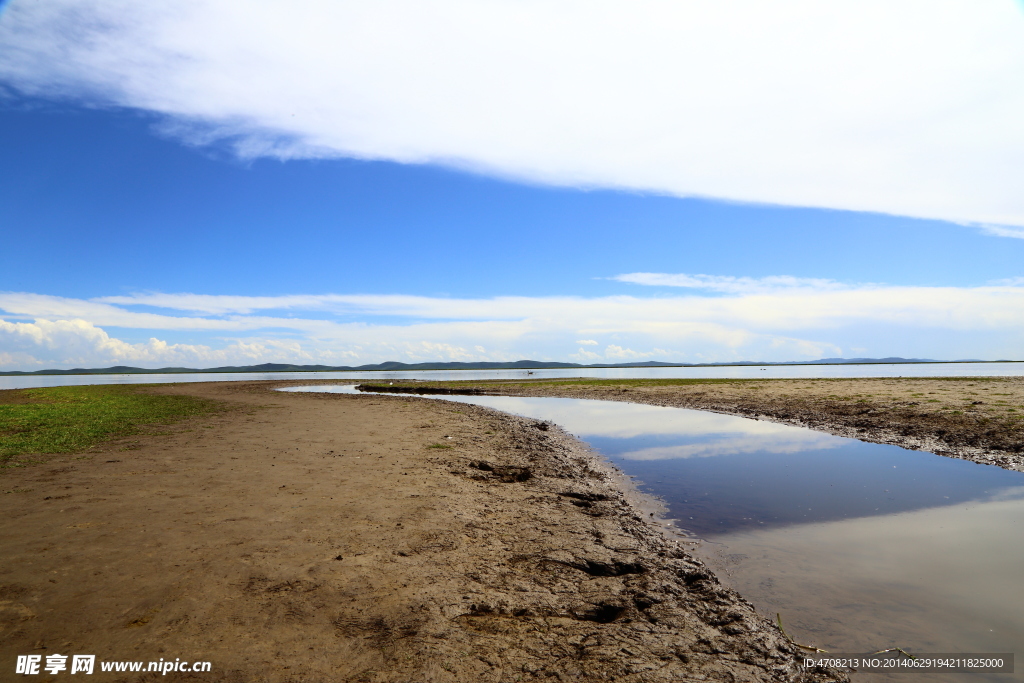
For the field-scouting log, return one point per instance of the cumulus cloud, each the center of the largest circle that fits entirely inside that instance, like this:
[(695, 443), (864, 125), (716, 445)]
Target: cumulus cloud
[(907, 107), (80, 343), (587, 342)]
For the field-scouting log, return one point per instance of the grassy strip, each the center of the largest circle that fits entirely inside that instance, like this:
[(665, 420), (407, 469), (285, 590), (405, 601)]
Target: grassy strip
[(467, 384), (681, 381), (641, 382), (69, 419), (654, 382)]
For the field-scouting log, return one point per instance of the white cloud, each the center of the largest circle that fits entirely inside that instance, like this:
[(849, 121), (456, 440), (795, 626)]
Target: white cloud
[(80, 343), (1002, 231), (614, 351), (730, 284), (774, 318), (585, 357), (773, 304), (909, 107)]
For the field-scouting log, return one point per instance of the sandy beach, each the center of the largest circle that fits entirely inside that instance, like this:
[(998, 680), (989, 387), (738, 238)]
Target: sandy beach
[(317, 537)]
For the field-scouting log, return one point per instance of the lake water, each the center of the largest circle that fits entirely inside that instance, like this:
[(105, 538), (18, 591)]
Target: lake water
[(746, 371), (860, 547)]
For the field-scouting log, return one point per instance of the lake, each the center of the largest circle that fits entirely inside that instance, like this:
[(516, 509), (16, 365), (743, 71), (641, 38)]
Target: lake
[(731, 371)]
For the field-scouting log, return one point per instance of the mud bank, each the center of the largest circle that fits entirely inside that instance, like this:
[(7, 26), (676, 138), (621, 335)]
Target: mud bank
[(319, 537)]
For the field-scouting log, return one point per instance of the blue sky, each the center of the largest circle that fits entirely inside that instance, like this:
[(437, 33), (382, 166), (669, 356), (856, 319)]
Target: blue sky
[(160, 206)]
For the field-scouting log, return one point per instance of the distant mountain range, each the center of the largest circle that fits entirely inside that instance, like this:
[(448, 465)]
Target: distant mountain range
[(517, 365)]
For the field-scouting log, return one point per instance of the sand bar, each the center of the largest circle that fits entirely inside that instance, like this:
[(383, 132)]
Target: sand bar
[(318, 537)]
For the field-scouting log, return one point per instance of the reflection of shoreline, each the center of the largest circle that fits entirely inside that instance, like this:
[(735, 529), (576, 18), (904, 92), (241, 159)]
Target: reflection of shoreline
[(737, 525), (939, 579)]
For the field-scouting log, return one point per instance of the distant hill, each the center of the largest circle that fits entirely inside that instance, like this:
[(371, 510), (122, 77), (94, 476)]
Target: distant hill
[(517, 365)]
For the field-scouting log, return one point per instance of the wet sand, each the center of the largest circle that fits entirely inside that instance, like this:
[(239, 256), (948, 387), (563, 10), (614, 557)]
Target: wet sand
[(320, 537)]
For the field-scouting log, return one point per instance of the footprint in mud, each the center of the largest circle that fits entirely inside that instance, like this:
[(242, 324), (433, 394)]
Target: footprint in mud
[(504, 474)]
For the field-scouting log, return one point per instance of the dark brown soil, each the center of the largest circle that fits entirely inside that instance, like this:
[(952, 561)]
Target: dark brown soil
[(16, 397)]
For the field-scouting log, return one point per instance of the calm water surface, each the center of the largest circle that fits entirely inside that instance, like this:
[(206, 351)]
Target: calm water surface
[(754, 371), (859, 546)]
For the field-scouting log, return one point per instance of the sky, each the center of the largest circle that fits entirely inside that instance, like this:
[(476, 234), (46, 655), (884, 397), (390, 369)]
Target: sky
[(209, 182)]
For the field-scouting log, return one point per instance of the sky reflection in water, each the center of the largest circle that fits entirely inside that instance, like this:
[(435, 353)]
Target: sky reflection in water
[(859, 546), (720, 473)]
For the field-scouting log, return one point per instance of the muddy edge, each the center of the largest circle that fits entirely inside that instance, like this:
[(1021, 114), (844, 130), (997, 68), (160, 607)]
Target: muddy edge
[(650, 610), (322, 537), (623, 599)]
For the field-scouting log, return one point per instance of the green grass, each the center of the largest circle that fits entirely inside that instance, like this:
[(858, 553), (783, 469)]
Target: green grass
[(70, 419)]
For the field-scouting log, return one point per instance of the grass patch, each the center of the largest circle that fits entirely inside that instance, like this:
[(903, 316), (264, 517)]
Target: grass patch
[(69, 419), (438, 445)]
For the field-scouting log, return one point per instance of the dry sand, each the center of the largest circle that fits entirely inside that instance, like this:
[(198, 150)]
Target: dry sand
[(318, 537)]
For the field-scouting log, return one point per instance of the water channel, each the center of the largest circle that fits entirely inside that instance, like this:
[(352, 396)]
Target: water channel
[(858, 546)]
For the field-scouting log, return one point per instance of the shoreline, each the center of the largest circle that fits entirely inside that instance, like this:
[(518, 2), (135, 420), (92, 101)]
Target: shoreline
[(539, 365), (966, 423), (364, 538)]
